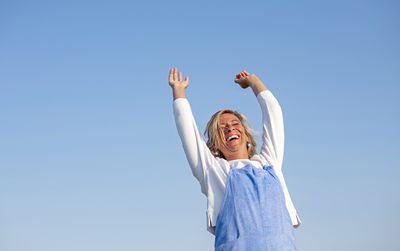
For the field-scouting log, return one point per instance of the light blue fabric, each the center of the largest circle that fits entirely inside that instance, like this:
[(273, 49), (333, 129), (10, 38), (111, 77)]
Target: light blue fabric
[(253, 216)]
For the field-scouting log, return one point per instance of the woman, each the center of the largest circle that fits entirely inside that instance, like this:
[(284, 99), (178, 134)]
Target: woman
[(248, 204)]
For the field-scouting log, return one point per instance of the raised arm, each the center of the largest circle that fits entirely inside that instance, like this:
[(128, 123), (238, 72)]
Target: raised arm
[(196, 150), (273, 129)]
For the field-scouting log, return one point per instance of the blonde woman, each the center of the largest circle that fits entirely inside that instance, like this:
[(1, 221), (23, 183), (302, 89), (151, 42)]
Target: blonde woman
[(248, 205)]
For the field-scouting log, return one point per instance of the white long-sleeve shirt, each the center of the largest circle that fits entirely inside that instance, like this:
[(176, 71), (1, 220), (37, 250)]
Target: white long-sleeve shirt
[(212, 172)]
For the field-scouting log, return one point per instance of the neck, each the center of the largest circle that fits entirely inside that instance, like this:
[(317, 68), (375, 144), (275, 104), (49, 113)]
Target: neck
[(241, 155)]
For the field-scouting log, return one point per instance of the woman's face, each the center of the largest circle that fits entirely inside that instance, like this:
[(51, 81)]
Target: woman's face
[(235, 146)]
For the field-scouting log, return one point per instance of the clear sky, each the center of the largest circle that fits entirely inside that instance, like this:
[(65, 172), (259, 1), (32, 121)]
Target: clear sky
[(89, 154)]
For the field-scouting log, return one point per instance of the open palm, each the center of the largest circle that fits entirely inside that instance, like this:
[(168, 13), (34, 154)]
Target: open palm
[(175, 79)]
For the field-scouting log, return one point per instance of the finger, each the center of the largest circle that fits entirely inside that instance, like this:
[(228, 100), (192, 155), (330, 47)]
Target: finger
[(180, 76), (171, 75), (238, 80), (242, 74), (175, 73), (246, 73), (187, 79)]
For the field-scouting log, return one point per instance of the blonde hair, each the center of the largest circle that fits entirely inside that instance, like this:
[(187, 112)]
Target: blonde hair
[(215, 135)]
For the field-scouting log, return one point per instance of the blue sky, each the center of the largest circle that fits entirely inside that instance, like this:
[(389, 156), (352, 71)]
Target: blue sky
[(90, 157)]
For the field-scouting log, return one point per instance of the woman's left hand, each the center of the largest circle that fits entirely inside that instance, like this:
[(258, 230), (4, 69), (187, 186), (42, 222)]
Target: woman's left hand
[(244, 79)]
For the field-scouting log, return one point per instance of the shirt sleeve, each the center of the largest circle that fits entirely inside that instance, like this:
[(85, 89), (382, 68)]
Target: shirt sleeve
[(196, 150), (273, 129)]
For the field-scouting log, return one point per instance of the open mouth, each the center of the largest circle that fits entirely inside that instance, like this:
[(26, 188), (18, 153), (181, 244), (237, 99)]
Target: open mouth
[(232, 138)]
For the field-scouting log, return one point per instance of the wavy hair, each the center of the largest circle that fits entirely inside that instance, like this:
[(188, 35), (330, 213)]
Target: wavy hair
[(215, 135)]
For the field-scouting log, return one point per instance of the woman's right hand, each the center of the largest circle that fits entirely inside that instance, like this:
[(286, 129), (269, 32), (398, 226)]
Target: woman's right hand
[(178, 86), (175, 79)]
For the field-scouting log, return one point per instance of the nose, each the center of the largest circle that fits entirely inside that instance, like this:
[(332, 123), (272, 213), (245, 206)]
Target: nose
[(229, 128)]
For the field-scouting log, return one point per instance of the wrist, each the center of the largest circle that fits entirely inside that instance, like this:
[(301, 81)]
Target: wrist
[(178, 93), (254, 81), (257, 86)]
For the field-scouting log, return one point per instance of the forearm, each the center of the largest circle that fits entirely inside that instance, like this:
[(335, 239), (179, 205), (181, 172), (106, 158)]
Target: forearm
[(273, 129), (196, 150), (257, 86)]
